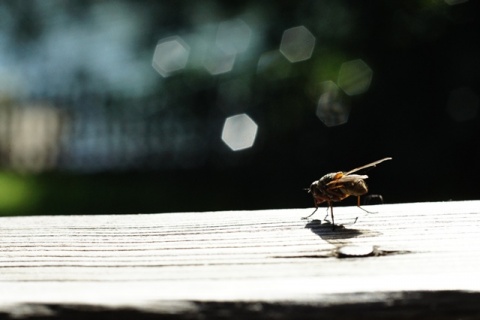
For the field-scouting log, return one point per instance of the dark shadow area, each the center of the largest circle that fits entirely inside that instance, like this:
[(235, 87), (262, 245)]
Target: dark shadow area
[(152, 106), (412, 305), (328, 233)]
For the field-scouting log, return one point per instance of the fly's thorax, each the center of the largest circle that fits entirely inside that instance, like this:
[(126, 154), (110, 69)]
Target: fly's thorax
[(320, 187), (328, 178)]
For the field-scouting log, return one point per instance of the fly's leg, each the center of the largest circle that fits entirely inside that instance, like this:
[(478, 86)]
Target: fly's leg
[(326, 215), (316, 208), (331, 213), (358, 205)]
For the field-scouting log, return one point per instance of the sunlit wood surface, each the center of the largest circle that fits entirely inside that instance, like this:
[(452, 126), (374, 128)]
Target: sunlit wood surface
[(425, 255)]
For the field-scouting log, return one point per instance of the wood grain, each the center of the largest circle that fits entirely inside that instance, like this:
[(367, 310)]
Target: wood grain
[(270, 256)]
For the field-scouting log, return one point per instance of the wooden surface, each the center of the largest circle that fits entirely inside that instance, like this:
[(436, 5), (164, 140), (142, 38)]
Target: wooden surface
[(425, 255)]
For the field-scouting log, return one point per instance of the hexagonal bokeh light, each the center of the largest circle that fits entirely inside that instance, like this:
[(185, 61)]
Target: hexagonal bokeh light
[(297, 44), (218, 61), (171, 54), (354, 77), (330, 109), (233, 36), (462, 104), (239, 132)]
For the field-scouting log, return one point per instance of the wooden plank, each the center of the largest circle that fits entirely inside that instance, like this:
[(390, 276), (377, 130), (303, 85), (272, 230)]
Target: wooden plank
[(146, 261)]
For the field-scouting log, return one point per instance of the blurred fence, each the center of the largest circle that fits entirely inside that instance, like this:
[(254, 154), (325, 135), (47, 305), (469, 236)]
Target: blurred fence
[(97, 135)]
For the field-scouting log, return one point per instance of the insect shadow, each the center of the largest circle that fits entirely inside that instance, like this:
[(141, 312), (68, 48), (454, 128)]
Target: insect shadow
[(324, 231)]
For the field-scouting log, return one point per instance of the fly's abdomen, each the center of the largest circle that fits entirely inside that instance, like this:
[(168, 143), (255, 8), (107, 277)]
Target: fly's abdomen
[(357, 187)]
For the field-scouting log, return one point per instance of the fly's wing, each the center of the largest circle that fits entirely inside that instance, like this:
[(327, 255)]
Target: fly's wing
[(349, 178), (373, 164)]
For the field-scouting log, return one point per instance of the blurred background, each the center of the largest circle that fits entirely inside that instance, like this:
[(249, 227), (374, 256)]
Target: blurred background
[(164, 106)]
